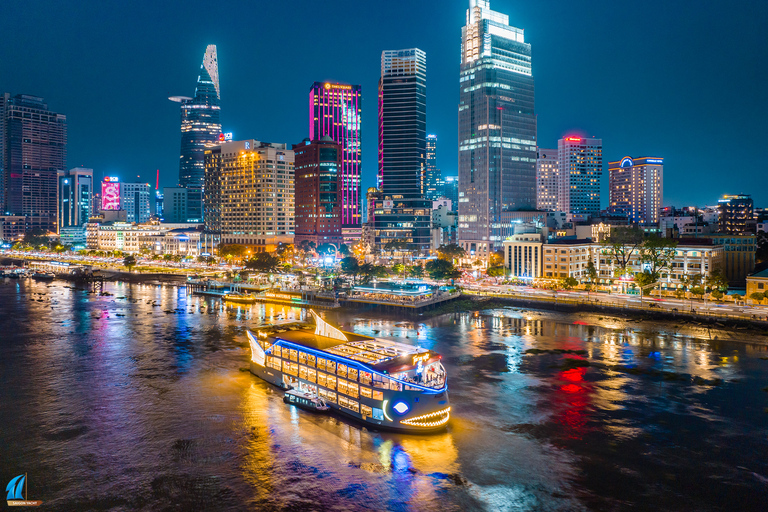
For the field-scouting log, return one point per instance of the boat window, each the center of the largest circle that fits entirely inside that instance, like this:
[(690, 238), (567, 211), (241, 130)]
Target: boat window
[(366, 392), (341, 370), (395, 386), (303, 372), (352, 374), (342, 386), (311, 375), (330, 366), (321, 378), (378, 395), (320, 363), (310, 359), (330, 382), (328, 396), (293, 354), (377, 414), (366, 411), (276, 350), (273, 362), (365, 377), (303, 357), (380, 382), (352, 389)]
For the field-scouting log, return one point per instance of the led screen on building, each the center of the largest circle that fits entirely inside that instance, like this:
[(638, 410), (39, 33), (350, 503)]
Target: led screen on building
[(110, 195)]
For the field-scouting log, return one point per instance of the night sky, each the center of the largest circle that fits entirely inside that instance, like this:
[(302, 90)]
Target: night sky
[(678, 79)]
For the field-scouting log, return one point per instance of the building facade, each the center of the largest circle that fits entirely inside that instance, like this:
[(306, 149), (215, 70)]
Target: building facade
[(135, 200), (524, 255), (636, 189), (433, 179), (335, 111), (547, 183), (319, 189), (174, 204), (451, 191), (405, 213), (580, 170), (12, 228), (737, 215), (200, 127), (738, 255), (173, 239), (497, 126), (75, 196), (34, 151), (249, 197)]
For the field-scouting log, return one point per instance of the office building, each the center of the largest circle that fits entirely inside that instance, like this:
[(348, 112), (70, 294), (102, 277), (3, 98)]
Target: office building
[(12, 228), (523, 255), (249, 197), (581, 167), (75, 195), (335, 111), (174, 204), (432, 179), (737, 215), (318, 181), (547, 182), (451, 191), (405, 214), (135, 200), (739, 251), (636, 189), (200, 127), (497, 126), (34, 151)]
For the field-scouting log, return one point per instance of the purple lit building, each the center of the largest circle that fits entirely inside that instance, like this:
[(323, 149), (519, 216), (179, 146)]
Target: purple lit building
[(334, 111)]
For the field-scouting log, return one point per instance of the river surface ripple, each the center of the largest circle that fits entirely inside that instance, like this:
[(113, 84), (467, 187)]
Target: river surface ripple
[(141, 400)]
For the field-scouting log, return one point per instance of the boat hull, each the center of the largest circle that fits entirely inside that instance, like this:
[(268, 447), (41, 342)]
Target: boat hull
[(419, 404)]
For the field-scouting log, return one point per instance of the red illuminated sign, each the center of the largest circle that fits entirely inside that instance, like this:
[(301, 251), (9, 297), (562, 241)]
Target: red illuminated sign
[(573, 139), (110, 195)]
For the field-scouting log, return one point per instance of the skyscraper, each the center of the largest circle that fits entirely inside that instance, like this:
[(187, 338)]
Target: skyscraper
[(75, 195), (200, 127), (249, 196), (451, 191), (335, 111), (580, 169), (318, 187), (34, 149), (736, 214), (406, 214), (547, 183), (433, 179), (135, 200), (636, 188), (497, 126)]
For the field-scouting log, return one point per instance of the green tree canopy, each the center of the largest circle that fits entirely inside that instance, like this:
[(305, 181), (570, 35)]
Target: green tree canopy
[(590, 278), (416, 271), (622, 243), (263, 262), (757, 296), (350, 265), (442, 269), (129, 262), (656, 254), (568, 283), (497, 271), (235, 251), (451, 252)]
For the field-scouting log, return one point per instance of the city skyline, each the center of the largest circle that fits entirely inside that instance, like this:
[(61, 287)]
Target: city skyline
[(631, 118)]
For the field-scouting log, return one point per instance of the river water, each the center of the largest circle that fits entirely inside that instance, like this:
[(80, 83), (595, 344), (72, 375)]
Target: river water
[(141, 400)]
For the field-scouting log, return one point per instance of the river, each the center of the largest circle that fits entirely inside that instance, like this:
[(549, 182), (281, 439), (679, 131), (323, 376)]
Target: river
[(142, 400)]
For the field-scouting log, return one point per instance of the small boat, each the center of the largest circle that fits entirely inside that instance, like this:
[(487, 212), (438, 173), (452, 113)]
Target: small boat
[(44, 276), (305, 401), (244, 298)]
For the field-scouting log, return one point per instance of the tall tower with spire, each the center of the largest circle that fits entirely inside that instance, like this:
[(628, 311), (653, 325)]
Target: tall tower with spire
[(200, 127)]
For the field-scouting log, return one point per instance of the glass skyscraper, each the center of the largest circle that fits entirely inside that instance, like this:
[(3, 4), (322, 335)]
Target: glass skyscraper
[(335, 111), (405, 213), (432, 178), (75, 194), (497, 126), (200, 127)]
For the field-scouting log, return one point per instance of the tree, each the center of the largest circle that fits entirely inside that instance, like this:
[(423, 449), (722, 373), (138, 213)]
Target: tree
[(496, 271), (757, 297), (367, 271), (344, 250), (350, 266), (568, 283), (717, 281), (416, 271), (168, 257), (698, 290), (644, 279), (620, 245), (656, 254), (496, 259), (61, 248), (716, 294), (442, 269), (326, 249), (736, 297), (232, 251), (284, 252), (17, 246), (451, 252), (129, 261), (36, 237), (206, 259), (361, 250), (263, 262), (591, 276)]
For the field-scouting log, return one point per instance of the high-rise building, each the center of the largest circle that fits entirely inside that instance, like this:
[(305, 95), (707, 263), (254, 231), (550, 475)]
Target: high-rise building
[(249, 197), (497, 127), (451, 191), (737, 214), (174, 205), (200, 127), (318, 188), (75, 195), (405, 213), (335, 111), (580, 169), (433, 179), (547, 180), (34, 149), (135, 200), (636, 188)]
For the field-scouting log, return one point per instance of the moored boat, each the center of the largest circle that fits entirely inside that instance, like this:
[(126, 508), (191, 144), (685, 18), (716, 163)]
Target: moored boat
[(380, 383), (305, 401), (44, 276), (243, 298)]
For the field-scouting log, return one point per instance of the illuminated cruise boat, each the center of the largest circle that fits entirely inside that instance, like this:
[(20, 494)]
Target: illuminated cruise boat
[(381, 383)]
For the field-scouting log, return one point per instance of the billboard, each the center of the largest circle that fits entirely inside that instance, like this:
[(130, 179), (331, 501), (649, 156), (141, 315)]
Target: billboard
[(110, 194)]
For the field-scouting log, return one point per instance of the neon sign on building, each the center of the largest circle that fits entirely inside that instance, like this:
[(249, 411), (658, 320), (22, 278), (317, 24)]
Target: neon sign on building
[(110, 194)]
